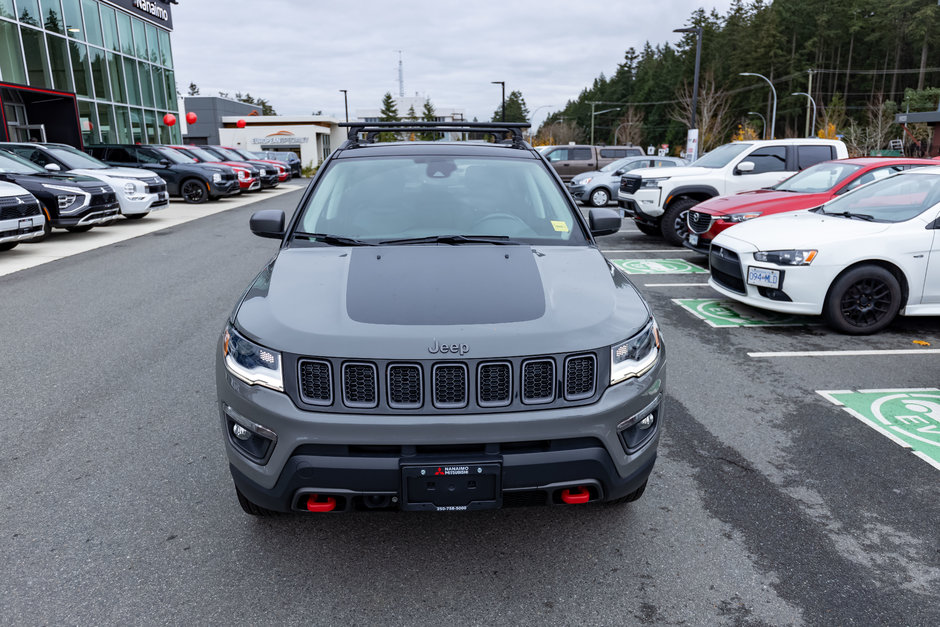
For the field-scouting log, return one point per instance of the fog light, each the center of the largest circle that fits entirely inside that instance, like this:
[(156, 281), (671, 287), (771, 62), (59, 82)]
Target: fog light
[(240, 432), (646, 423)]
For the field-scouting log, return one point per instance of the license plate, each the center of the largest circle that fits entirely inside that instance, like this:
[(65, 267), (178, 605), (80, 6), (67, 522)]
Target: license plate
[(25, 223), (451, 487), (693, 239), (763, 277)]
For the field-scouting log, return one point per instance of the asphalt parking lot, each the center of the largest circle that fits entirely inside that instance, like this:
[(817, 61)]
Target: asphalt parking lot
[(786, 492)]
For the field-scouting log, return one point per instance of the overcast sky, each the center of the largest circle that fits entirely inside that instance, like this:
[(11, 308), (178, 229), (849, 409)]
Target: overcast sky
[(299, 53)]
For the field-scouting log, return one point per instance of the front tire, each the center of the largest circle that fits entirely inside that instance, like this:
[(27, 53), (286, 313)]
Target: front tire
[(599, 197), (675, 226), (84, 228), (136, 216), (194, 191), (648, 229), (8, 246), (862, 301)]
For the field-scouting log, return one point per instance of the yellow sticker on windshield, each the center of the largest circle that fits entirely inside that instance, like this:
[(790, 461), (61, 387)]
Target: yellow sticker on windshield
[(558, 225)]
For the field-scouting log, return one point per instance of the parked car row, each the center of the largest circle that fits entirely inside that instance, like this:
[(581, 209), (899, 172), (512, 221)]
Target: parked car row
[(47, 185)]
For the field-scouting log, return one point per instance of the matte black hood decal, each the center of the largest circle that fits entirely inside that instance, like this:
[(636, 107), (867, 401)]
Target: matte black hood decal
[(434, 285)]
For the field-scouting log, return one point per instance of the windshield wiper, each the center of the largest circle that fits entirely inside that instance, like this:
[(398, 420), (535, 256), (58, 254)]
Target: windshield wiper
[(849, 214), (454, 239), (333, 240)]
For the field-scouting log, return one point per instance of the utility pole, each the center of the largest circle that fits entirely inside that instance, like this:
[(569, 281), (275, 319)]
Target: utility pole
[(401, 77), (810, 91)]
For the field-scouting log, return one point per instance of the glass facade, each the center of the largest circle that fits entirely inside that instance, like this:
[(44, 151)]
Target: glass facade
[(119, 66)]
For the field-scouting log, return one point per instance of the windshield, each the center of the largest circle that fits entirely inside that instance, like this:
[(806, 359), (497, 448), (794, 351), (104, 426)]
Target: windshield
[(174, 156), (894, 199), (199, 153), (388, 198), (226, 154), (13, 164), (75, 159), (819, 178), (721, 156)]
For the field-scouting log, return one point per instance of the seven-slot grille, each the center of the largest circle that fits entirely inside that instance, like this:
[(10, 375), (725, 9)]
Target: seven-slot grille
[(449, 385), (699, 222), (155, 185), (11, 208), (629, 183)]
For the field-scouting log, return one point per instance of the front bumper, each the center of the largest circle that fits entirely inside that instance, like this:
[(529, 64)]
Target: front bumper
[(353, 456), (21, 229), (143, 204), (579, 192), (105, 214), (270, 179), (224, 188), (644, 202)]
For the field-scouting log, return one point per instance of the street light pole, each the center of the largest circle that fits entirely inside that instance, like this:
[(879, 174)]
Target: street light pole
[(503, 85), (592, 118), (773, 117), (345, 104), (810, 126), (698, 61), (763, 128)]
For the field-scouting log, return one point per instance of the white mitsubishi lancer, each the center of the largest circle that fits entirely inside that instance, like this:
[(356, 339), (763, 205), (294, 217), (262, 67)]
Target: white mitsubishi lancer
[(859, 260)]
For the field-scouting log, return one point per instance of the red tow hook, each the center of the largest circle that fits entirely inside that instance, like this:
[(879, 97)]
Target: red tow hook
[(574, 498), (327, 505)]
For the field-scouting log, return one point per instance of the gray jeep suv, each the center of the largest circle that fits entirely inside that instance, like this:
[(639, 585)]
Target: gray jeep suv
[(438, 331)]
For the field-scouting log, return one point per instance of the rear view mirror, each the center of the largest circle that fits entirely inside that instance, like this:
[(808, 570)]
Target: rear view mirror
[(745, 166), (53, 167), (604, 221), (268, 223)]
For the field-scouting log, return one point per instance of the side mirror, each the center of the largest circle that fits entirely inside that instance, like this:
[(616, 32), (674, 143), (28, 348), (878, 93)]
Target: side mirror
[(268, 223), (53, 167), (604, 221), (744, 167), (165, 162), (619, 172)]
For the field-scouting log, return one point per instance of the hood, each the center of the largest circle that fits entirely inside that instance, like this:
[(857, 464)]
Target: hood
[(11, 189), (207, 167), (592, 174), (130, 173), (659, 173), (803, 229), (394, 302), (767, 200), (49, 178)]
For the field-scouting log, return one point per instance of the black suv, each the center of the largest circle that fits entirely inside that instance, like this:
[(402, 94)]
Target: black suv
[(69, 201), (289, 158), (195, 182)]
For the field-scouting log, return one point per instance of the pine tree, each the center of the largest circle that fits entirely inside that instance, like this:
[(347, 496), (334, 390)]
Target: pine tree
[(516, 110), (388, 113), (428, 115)]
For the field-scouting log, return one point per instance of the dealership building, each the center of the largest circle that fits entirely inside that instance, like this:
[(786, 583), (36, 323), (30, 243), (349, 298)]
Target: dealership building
[(87, 71)]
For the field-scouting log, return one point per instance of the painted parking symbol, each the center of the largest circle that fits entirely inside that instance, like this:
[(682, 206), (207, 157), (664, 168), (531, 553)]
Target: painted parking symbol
[(909, 418), (729, 313), (659, 266)]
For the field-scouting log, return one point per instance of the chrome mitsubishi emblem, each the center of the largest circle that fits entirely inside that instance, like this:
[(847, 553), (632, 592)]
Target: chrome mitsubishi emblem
[(20, 201)]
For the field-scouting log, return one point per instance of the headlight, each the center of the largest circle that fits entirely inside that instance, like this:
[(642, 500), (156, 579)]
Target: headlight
[(216, 177), (68, 199), (242, 174), (786, 257), (129, 189), (635, 356), (263, 172), (65, 200), (583, 181), (253, 364), (741, 217), (652, 182)]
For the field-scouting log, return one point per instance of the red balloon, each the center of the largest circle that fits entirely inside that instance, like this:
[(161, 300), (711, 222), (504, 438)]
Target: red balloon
[(169, 119), (191, 118), (241, 124)]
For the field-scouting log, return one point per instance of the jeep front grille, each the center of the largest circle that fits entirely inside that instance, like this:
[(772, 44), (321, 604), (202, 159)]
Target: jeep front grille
[(579, 377), (404, 386), (450, 386), (359, 385), (538, 381), (699, 222), (494, 384), (316, 382)]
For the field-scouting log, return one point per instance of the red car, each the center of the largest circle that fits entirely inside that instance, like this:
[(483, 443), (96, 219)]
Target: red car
[(283, 170), (248, 178), (804, 190)]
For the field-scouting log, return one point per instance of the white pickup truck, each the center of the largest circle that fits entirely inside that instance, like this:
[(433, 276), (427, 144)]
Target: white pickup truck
[(659, 200)]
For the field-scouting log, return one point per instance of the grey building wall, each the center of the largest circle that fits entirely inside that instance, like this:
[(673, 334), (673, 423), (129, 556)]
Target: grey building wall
[(209, 111)]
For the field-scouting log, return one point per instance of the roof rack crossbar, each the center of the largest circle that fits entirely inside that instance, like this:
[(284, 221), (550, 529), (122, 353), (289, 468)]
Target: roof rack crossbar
[(372, 129)]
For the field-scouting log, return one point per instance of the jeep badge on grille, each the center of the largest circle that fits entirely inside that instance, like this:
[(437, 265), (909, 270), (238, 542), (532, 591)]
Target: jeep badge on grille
[(457, 349)]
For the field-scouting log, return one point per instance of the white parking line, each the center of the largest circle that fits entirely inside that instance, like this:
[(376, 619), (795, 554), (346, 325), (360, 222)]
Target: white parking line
[(665, 250), (674, 284), (856, 353), (62, 244)]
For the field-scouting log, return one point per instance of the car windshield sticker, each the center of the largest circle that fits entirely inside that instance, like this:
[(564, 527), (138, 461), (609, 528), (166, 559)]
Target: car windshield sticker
[(560, 226), (729, 313), (658, 266), (910, 418)]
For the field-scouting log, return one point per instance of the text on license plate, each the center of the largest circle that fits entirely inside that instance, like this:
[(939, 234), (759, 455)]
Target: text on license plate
[(764, 277)]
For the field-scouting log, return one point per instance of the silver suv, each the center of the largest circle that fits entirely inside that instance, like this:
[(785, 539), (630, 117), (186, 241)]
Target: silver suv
[(438, 331)]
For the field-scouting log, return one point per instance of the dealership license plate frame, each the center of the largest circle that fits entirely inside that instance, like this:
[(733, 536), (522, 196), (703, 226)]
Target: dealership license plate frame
[(450, 486), (757, 282)]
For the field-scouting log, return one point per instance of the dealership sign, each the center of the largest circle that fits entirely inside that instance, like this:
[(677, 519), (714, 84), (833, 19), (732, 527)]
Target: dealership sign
[(156, 11), (280, 139)]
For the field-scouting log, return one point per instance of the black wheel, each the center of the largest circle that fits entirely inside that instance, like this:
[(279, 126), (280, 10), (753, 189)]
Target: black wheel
[(8, 246), (79, 229), (674, 224), (633, 496), (136, 216), (648, 229), (194, 191), (864, 300), (46, 229), (251, 508), (599, 197)]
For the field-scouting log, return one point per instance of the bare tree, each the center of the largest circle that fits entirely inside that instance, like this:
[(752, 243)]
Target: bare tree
[(559, 132), (712, 117), (630, 129), (874, 134)]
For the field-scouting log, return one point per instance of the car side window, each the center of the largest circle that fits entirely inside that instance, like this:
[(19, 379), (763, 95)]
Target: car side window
[(613, 153), (873, 175), (580, 154), (146, 155), (36, 156), (559, 154), (811, 155), (120, 155), (768, 159)]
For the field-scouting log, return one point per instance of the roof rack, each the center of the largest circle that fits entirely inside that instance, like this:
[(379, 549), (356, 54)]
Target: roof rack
[(372, 129)]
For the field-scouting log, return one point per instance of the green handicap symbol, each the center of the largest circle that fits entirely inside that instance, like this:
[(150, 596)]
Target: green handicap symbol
[(729, 313), (910, 418), (659, 266)]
